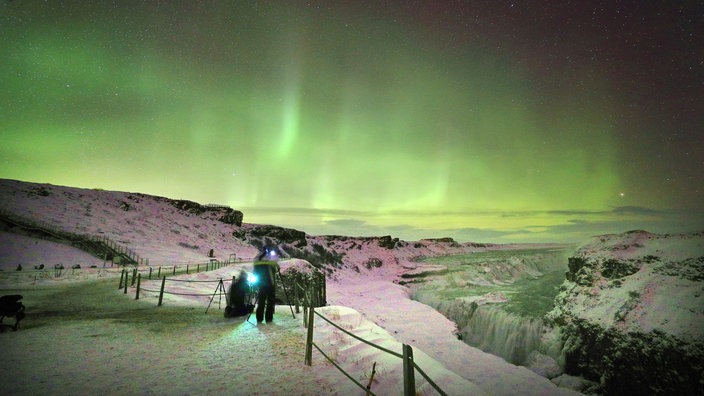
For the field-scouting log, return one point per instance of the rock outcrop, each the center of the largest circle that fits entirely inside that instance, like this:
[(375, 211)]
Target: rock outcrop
[(274, 235), (632, 313)]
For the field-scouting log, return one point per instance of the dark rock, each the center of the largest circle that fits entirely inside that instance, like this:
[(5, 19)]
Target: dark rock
[(279, 235), (241, 235), (388, 242), (232, 217), (633, 363), (188, 206), (444, 239), (613, 268), (373, 262), (319, 256), (575, 264)]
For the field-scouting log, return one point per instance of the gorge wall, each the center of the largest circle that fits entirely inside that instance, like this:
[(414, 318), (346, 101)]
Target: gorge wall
[(631, 313)]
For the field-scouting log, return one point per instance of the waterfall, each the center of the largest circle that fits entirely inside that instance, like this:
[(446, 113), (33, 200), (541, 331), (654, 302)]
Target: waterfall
[(503, 334), (491, 329), (498, 299)]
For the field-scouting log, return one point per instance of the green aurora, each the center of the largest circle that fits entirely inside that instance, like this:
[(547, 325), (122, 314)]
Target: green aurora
[(338, 120)]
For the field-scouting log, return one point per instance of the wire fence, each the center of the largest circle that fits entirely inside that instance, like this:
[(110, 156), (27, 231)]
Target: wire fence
[(40, 273), (173, 270), (409, 365), (137, 282), (307, 288)]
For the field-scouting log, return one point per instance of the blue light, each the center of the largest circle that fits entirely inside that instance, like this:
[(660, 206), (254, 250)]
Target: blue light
[(252, 279)]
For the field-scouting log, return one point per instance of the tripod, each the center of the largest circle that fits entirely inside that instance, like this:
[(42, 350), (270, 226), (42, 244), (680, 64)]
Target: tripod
[(281, 279), (254, 291), (220, 288)]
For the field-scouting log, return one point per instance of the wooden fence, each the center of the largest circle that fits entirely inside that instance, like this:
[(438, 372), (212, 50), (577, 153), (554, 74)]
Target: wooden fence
[(409, 365), (170, 270), (308, 289)]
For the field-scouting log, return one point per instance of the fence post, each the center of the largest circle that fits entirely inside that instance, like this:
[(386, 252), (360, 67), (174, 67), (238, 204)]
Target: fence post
[(122, 275), (134, 276), (150, 273), (161, 292), (158, 273), (186, 269), (409, 381), (309, 338), (174, 270), (198, 267), (127, 276), (139, 281), (295, 295), (319, 291), (325, 297)]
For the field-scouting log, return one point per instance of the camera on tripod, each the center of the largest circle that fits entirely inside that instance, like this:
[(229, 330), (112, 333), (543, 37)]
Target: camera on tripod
[(242, 295)]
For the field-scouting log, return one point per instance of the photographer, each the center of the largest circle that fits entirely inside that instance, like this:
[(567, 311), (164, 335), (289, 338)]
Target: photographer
[(265, 267)]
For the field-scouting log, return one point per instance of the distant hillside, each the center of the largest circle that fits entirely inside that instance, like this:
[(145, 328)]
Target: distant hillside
[(171, 231)]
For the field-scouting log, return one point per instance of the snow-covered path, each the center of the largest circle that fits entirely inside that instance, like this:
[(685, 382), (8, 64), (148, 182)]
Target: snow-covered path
[(88, 340)]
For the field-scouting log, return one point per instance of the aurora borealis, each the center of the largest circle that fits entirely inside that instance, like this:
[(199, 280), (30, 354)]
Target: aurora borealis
[(481, 120)]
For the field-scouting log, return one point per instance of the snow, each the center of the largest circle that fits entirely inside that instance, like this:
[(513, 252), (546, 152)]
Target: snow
[(21, 250), (82, 335), (665, 288)]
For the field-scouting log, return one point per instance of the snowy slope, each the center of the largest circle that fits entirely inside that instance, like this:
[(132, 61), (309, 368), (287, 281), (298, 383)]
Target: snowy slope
[(154, 227)]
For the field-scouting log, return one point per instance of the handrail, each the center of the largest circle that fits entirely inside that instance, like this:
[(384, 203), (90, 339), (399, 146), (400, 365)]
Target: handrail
[(398, 355), (408, 362), (369, 392)]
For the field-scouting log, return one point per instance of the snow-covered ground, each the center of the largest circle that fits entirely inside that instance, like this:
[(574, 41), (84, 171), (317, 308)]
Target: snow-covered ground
[(84, 325), (84, 336)]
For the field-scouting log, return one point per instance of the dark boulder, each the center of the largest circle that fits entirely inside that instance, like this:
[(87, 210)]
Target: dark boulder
[(233, 217)]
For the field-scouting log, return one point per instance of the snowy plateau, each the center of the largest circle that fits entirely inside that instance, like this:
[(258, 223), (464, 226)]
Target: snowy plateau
[(626, 317)]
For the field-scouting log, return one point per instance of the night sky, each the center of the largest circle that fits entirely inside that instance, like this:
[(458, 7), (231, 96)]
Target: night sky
[(490, 121)]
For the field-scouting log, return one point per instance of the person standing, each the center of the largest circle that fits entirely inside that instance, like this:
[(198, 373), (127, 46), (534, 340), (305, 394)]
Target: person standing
[(265, 267)]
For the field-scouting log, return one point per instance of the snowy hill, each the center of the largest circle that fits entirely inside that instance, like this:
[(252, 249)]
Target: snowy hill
[(139, 222), (363, 281), (632, 313), (178, 231)]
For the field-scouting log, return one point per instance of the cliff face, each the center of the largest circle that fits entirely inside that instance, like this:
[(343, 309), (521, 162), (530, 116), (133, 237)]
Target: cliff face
[(632, 313)]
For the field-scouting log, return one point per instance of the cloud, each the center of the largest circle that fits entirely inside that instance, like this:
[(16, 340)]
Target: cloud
[(568, 226), (620, 210), (307, 211), (636, 210), (483, 234)]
